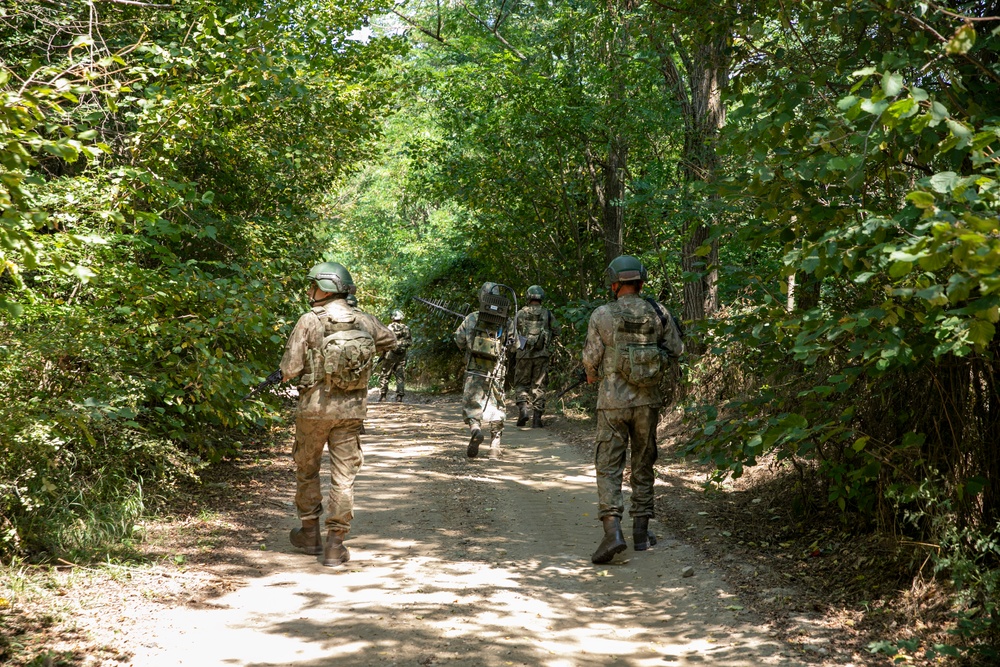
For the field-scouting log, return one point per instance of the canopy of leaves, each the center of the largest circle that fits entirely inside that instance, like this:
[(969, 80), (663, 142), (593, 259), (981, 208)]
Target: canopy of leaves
[(163, 174)]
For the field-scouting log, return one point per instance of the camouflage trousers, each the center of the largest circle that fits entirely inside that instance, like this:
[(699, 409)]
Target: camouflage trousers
[(394, 366), (346, 458), (616, 429), (475, 407), (530, 376)]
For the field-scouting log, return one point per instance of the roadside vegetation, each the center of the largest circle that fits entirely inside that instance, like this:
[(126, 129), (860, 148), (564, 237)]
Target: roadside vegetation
[(812, 185)]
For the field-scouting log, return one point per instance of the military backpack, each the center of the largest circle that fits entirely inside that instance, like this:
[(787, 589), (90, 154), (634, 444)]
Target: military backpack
[(345, 358), (636, 355), (532, 323)]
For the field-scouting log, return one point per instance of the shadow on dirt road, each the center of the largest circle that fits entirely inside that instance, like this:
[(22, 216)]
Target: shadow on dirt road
[(465, 562)]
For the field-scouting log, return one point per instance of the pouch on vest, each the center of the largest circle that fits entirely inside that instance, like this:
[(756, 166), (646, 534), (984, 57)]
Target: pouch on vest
[(347, 354), (484, 347), (638, 358), (643, 365)]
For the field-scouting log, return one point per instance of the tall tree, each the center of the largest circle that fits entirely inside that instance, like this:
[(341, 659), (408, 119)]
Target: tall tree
[(692, 42)]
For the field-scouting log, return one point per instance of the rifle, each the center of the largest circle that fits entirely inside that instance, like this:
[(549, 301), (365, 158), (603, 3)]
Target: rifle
[(580, 380), (273, 378)]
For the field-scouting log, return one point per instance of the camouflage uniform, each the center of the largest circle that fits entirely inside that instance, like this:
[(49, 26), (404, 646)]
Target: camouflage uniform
[(626, 412), (482, 400), (395, 361), (325, 417), (539, 326)]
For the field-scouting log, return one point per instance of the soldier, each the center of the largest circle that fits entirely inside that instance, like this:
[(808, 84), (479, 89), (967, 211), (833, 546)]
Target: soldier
[(485, 337), (538, 326), (629, 343), (395, 359), (330, 351)]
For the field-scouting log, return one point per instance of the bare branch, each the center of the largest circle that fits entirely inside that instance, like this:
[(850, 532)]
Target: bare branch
[(494, 31), (944, 11), (975, 62), (421, 28)]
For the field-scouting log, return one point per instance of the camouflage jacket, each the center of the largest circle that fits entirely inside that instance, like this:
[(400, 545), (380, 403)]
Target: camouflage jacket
[(539, 328), (403, 338), (317, 402), (600, 353), (463, 338)]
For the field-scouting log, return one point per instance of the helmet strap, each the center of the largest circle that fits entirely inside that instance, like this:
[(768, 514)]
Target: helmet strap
[(319, 302)]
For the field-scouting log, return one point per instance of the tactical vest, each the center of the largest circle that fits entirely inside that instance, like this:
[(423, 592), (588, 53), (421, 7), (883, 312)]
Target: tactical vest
[(532, 324), (490, 322), (402, 337), (344, 358), (635, 354)]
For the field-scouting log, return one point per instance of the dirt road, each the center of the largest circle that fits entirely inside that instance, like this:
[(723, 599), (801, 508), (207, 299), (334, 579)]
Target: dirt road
[(463, 562)]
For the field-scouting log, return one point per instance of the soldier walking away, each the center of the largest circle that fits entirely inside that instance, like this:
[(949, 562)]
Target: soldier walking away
[(539, 328), (630, 342), (395, 359), (486, 337), (330, 353)]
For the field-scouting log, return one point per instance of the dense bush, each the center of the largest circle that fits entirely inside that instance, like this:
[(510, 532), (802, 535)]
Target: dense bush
[(161, 204)]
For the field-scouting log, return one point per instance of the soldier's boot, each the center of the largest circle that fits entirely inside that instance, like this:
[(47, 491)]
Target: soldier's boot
[(335, 553), (536, 419), (495, 452), (399, 398), (642, 536), (475, 439), (522, 415), (381, 396), (613, 542), (307, 537)]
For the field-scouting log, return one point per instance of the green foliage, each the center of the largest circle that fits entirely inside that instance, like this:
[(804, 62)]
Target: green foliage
[(163, 176), (870, 353)]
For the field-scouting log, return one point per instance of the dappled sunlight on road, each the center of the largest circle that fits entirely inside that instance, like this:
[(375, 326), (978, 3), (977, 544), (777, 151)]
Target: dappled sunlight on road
[(469, 563)]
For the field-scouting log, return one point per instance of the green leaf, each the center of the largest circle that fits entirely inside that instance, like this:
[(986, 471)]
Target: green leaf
[(900, 269), (847, 102), (892, 84), (920, 199), (860, 443), (934, 294), (939, 112), (981, 332), (944, 182), (962, 41)]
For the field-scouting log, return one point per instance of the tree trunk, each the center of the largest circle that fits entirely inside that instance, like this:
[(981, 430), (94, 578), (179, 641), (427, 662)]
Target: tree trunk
[(614, 198), (698, 90)]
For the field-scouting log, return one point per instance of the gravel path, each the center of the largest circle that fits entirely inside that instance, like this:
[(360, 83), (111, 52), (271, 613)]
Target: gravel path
[(464, 562)]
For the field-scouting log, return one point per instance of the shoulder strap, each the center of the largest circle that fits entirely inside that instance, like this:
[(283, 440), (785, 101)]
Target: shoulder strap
[(659, 311)]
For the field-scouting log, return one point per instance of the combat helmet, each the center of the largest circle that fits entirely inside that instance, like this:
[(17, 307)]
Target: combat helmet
[(535, 292), (487, 289), (624, 269), (397, 316), (332, 277)]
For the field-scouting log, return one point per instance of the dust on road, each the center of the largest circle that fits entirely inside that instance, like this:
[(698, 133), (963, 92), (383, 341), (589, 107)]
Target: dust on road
[(459, 562)]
